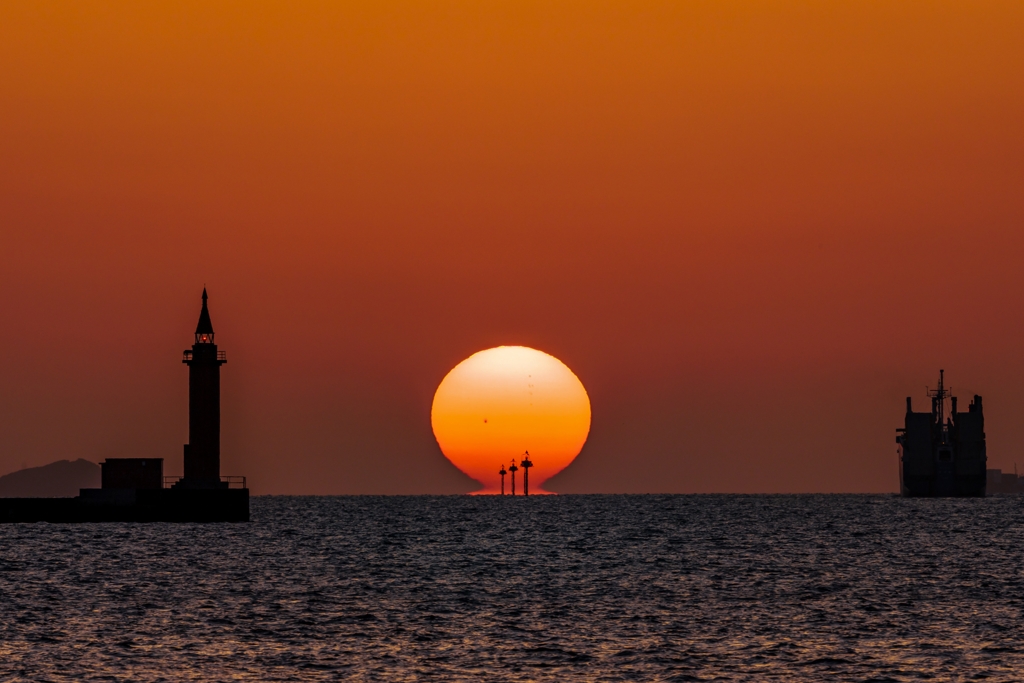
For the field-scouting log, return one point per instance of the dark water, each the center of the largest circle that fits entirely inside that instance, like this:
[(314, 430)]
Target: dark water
[(603, 588)]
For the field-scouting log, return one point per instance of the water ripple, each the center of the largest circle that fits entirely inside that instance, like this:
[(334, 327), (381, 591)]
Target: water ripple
[(602, 588)]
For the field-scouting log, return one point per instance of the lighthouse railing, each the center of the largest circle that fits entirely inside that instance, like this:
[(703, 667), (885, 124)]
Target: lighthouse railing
[(232, 481)]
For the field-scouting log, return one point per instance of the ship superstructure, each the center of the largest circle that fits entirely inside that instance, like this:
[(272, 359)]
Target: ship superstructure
[(939, 455)]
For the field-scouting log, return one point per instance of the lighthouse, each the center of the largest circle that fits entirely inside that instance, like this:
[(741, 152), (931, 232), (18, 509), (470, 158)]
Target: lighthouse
[(135, 489), (202, 452), (502, 472)]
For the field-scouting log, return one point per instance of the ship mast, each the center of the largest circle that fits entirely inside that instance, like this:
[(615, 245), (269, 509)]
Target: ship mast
[(938, 397)]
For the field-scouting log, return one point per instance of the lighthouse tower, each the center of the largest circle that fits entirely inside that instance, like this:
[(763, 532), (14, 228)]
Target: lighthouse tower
[(202, 452)]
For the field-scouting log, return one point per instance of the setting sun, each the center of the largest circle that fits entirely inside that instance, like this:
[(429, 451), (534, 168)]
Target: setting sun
[(499, 403)]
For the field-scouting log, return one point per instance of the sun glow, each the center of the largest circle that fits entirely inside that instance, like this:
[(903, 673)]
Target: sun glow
[(499, 403)]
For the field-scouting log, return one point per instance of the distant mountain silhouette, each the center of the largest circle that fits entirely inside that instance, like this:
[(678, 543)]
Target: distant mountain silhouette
[(56, 480)]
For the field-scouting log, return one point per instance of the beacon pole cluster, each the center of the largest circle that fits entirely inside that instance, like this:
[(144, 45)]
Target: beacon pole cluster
[(525, 464)]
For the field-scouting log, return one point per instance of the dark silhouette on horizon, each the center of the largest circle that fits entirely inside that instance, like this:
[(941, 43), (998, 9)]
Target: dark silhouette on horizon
[(134, 489), (526, 464), (59, 479), (940, 456), (997, 481), (513, 469), (202, 452), (502, 472)]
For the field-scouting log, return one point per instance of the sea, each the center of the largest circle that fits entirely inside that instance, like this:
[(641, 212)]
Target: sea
[(545, 588)]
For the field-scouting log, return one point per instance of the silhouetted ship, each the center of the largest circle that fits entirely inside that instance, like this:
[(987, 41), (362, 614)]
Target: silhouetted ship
[(942, 456), (136, 490)]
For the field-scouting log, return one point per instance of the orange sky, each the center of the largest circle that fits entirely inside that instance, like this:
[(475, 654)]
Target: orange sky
[(750, 228)]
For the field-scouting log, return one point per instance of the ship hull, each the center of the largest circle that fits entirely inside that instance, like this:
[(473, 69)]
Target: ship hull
[(934, 488), (945, 481)]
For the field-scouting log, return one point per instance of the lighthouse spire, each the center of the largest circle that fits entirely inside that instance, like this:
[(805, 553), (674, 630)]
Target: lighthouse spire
[(204, 330), (202, 452)]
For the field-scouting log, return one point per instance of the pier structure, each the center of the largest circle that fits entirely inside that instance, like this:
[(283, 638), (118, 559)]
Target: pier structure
[(135, 489), (513, 469), (502, 472), (526, 465)]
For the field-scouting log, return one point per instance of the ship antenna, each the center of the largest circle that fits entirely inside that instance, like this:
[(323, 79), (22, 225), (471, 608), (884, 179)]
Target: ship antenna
[(939, 397), (942, 397)]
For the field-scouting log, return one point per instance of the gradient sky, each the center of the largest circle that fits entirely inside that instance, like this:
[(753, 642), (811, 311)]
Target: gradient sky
[(750, 228)]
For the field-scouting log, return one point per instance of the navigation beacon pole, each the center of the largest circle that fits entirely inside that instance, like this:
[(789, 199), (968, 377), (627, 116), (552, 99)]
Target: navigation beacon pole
[(512, 468), (526, 465), (502, 472), (202, 452)]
